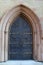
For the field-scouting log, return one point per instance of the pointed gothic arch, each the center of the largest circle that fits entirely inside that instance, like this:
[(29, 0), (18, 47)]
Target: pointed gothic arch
[(8, 19)]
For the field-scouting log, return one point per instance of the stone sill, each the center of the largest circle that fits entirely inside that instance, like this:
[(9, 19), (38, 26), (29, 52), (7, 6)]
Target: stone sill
[(24, 62)]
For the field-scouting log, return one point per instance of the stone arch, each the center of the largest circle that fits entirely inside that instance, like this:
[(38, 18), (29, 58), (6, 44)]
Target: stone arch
[(7, 20)]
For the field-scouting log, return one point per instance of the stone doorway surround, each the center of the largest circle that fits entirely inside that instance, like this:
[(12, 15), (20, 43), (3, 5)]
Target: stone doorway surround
[(8, 19)]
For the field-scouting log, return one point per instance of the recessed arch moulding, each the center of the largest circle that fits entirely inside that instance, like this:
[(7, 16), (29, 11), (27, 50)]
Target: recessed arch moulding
[(4, 27)]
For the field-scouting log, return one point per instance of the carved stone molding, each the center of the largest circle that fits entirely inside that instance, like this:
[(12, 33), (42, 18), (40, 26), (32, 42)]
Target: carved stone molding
[(34, 21)]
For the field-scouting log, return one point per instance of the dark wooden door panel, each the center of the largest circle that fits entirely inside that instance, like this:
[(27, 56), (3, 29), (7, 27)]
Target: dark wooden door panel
[(20, 40)]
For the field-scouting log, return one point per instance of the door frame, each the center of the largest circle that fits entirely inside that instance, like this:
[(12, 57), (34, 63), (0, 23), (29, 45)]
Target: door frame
[(34, 21)]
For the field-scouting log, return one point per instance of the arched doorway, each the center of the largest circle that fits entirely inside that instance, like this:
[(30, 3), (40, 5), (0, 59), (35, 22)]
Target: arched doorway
[(7, 21), (20, 45)]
